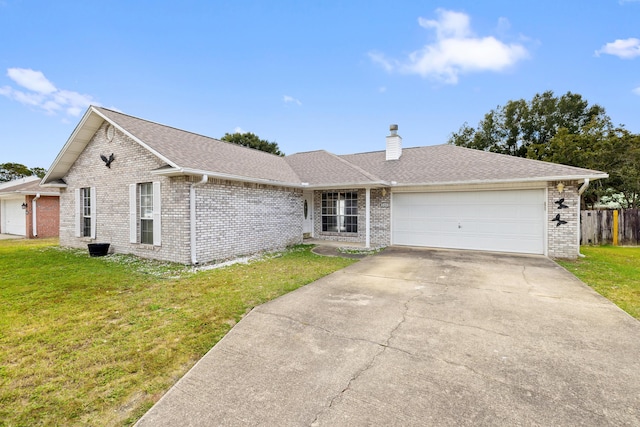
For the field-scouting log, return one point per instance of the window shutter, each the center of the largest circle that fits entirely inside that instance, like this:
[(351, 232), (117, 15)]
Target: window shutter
[(94, 208), (133, 217), (157, 225), (78, 222)]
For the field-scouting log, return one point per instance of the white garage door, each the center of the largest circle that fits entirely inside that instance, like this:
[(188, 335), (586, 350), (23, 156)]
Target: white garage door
[(504, 221), (13, 217)]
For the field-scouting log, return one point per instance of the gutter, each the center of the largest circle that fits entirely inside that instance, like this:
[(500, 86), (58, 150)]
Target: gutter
[(34, 206), (581, 190), (192, 216)]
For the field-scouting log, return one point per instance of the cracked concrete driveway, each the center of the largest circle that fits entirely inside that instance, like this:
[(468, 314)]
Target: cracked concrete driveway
[(421, 337)]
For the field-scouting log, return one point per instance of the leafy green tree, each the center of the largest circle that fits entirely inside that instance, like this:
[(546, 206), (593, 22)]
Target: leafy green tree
[(39, 172), (251, 140), (525, 128), (11, 171), (614, 150)]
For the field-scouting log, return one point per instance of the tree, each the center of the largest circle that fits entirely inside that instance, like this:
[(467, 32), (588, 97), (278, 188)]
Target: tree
[(616, 151), (525, 128), (39, 172), (11, 171), (251, 140)]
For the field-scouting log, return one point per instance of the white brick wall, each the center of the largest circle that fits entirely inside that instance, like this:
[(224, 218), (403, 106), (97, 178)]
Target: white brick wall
[(562, 240), (380, 220), (233, 218), (236, 218)]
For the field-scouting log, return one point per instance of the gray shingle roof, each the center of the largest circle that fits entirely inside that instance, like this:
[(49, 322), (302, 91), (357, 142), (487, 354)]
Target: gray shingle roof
[(440, 164), (190, 153), (196, 152), (28, 186), (324, 168)]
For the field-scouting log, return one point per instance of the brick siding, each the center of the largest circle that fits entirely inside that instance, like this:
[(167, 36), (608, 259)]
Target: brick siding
[(47, 216), (380, 219), (236, 218), (233, 218), (562, 240)]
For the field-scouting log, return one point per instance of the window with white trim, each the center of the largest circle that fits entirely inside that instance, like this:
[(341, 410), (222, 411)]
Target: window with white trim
[(340, 212), (144, 211), (85, 194), (85, 215)]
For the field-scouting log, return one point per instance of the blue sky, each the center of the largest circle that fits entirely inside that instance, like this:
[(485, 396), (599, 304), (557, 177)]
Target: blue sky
[(307, 74)]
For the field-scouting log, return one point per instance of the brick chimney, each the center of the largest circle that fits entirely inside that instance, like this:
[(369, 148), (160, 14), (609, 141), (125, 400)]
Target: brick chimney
[(394, 144)]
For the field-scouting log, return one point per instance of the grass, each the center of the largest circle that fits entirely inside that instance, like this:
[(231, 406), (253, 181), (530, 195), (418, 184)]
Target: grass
[(97, 341), (613, 271)]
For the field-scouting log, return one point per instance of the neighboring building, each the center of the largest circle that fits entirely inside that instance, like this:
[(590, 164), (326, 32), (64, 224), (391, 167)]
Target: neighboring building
[(164, 193), (27, 209)]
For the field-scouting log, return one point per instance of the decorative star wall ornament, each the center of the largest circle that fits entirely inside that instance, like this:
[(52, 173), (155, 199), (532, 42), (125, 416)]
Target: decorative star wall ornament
[(107, 161), (561, 204), (559, 221)]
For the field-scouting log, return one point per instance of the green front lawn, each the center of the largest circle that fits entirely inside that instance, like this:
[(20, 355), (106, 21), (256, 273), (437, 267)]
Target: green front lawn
[(613, 271), (97, 341)]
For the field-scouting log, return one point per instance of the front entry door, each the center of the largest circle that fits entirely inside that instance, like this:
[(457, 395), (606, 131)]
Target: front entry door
[(307, 214)]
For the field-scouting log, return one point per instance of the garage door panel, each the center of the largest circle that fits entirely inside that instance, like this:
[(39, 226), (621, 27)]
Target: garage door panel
[(13, 217), (509, 221)]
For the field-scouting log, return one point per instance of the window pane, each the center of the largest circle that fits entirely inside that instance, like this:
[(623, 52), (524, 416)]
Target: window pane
[(146, 231), (86, 227), (329, 223), (146, 200), (340, 212)]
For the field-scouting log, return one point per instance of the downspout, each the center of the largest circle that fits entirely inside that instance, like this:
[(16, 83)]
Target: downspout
[(368, 218), (192, 216), (581, 190), (34, 218)]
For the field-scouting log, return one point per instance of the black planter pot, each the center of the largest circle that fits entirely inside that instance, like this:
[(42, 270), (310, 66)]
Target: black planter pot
[(98, 249)]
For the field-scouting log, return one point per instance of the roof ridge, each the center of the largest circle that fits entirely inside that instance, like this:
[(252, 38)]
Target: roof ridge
[(357, 168)]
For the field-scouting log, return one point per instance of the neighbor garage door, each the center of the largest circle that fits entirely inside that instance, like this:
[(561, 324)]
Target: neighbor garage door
[(13, 217), (505, 221)]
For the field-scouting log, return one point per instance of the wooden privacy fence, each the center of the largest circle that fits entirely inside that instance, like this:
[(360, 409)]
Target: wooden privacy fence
[(597, 227)]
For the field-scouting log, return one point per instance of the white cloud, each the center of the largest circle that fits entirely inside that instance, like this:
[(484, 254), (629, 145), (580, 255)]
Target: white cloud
[(636, 91), (382, 89), (291, 100), (455, 51), (33, 80), (43, 94), (625, 49), (238, 129)]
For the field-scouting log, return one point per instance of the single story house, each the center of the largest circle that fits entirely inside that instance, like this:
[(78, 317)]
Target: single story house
[(165, 193), (28, 209)]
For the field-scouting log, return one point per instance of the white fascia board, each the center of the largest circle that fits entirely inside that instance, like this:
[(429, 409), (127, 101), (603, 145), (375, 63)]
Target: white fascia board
[(543, 179), (54, 185), (177, 171), (348, 185), (72, 142), (35, 193)]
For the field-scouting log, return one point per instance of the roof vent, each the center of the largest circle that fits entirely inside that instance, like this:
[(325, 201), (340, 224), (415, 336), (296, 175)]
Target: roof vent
[(394, 144)]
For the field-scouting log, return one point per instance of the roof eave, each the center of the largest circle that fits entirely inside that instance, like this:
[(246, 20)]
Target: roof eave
[(336, 186), (542, 179), (177, 171), (74, 146)]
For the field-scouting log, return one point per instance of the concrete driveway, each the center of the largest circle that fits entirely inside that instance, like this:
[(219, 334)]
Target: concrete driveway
[(421, 337)]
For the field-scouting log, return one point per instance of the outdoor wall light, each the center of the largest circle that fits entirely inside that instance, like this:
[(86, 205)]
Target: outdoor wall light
[(560, 187), (24, 206)]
